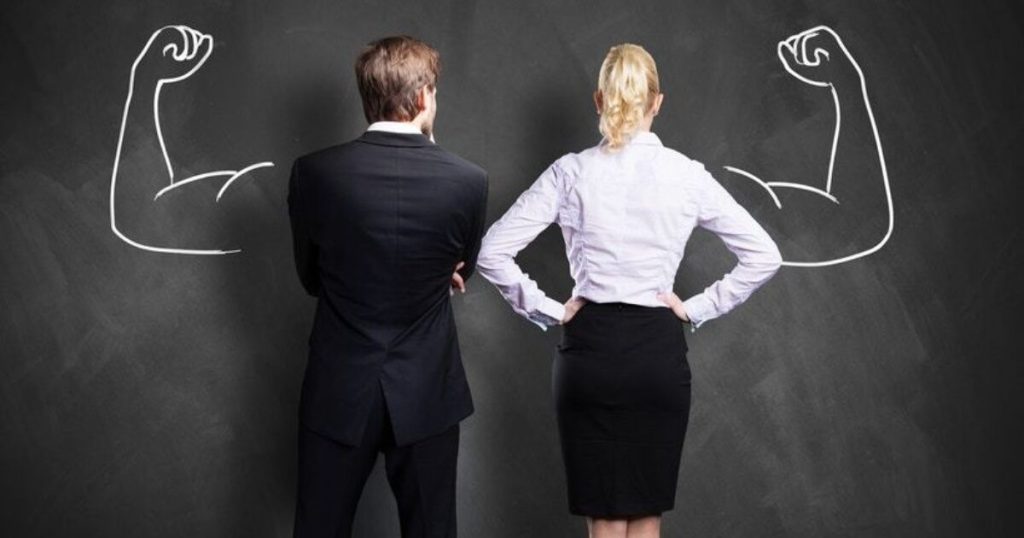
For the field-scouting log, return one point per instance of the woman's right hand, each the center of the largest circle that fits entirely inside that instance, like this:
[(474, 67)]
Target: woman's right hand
[(675, 303), (572, 306)]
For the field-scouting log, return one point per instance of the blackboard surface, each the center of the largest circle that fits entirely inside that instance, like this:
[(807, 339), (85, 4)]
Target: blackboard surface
[(150, 394)]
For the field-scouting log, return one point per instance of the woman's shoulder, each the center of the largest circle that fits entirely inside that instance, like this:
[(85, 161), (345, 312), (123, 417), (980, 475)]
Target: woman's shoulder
[(572, 164), (680, 159), (685, 167), (569, 164)]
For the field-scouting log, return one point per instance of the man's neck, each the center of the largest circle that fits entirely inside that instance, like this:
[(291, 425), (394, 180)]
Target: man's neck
[(406, 127)]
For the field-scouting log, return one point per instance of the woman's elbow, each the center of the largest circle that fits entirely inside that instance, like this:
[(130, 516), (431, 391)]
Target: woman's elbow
[(488, 260), (766, 258)]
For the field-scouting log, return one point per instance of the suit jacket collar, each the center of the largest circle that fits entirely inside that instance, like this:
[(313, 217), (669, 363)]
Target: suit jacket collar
[(387, 138)]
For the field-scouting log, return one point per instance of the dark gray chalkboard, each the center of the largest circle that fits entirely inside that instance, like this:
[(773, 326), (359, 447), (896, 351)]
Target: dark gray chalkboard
[(146, 394)]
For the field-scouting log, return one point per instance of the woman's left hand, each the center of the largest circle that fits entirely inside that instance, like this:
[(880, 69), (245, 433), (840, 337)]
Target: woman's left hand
[(675, 303), (572, 306)]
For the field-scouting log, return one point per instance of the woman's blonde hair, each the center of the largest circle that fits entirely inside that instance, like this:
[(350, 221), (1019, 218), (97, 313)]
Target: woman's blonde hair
[(628, 83)]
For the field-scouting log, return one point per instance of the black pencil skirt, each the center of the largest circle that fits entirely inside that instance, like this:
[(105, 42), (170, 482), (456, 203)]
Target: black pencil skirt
[(622, 394)]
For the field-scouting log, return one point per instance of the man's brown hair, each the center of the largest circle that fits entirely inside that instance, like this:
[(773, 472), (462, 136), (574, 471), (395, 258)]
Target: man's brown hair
[(390, 71)]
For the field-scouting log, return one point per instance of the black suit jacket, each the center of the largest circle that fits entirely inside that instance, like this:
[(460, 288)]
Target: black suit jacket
[(378, 225)]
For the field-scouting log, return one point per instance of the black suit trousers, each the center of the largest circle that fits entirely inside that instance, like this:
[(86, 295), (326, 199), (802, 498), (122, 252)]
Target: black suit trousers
[(332, 475)]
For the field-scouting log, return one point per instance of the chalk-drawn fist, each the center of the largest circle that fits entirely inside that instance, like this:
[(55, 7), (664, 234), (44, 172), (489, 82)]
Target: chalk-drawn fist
[(173, 53), (818, 57)]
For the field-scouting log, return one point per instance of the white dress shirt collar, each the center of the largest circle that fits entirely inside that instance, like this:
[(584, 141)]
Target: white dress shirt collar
[(394, 127), (403, 127)]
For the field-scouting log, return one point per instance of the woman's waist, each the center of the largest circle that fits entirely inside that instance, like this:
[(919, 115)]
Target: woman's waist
[(624, 307), (637, 297)]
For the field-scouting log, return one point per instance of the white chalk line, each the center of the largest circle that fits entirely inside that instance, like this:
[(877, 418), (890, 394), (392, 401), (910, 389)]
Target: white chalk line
[(193, 42), (239, 174), (791, 44), (757, 180), (188, 180), (233, 175)]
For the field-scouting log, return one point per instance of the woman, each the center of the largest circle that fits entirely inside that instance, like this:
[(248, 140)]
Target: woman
[(621, 380)]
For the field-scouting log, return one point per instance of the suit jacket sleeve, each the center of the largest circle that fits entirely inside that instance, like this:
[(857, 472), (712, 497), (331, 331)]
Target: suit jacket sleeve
[(477, 217), (305, 249)]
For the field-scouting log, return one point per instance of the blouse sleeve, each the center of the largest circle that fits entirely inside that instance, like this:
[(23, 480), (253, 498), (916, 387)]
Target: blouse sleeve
[(758, 256), (532, 212)]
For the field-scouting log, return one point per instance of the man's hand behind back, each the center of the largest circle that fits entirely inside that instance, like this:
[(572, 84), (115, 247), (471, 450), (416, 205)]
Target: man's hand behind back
[(457, 282)]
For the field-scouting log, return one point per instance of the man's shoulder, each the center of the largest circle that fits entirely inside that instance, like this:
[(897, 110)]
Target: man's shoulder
[(355, 154), (327, 154), (468, 169)]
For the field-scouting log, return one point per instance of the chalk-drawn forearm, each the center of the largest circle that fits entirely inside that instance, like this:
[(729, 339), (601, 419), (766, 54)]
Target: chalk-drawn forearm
[(820, 58), (172, 54)]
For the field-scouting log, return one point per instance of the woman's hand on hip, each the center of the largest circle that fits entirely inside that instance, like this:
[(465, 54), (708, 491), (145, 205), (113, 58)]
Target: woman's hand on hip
[(675, 303), (572, 306)]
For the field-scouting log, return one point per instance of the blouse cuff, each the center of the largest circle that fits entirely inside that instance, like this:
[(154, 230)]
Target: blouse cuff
[(548, 313), (699, 309)]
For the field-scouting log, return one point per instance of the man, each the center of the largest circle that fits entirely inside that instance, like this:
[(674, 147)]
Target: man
[(379, 224)]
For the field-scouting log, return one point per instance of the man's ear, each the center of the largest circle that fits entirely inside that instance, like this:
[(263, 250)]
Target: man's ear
[(421, 99)]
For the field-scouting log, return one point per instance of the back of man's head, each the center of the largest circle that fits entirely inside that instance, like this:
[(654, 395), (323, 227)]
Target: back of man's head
[(390, 72)]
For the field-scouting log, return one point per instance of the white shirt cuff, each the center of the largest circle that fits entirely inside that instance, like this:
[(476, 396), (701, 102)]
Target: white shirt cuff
[(549, 312), (699, 309)]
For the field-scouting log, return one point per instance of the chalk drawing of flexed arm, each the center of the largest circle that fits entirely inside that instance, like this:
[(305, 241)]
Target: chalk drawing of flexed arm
[(857, 179), (172, 54)]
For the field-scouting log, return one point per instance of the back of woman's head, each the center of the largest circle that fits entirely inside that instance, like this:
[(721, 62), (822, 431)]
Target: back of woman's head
[(628, 83)]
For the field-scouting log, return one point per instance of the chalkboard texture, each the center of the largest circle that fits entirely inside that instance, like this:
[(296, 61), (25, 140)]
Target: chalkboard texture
[(151, 394)]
